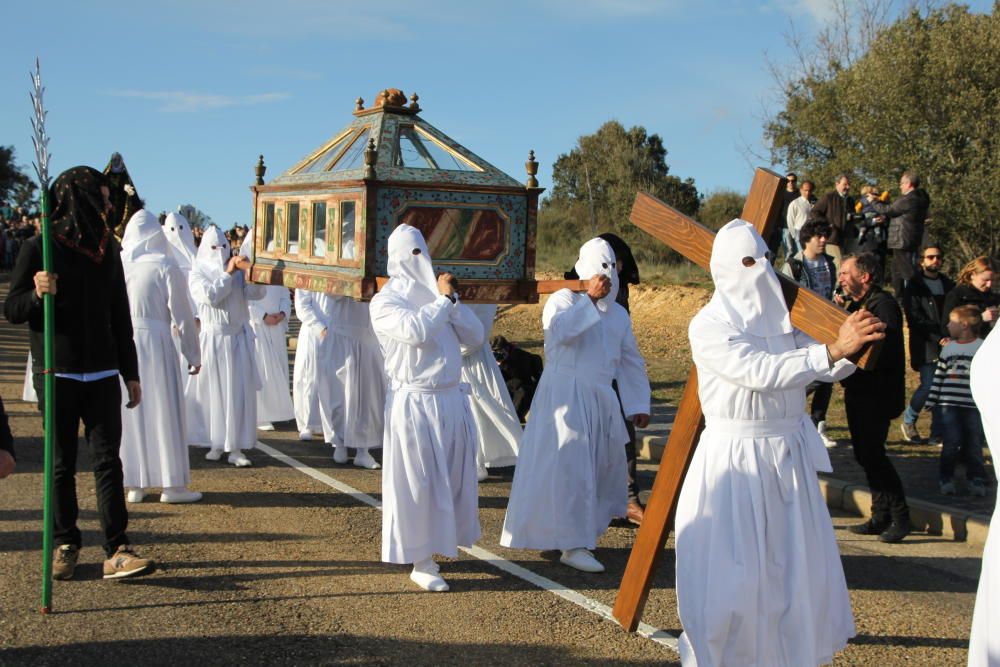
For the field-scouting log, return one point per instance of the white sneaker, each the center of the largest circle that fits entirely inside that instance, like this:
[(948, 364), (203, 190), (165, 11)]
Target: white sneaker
[(482, 473), (581, 559), (265, 426), (339, 454), (828, 441), (239, 460), (364, 459), (135, 496), (214, 454), (179, 494), (426, 574), (305, 435)]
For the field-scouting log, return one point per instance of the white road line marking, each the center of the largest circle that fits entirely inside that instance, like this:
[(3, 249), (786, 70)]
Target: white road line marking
[(654, 634)]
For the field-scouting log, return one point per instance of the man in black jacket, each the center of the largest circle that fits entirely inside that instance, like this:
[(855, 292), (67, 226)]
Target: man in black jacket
[(907, 215), (7, 463), (923, 299), (873, 397), (837, 210), (93, 345)]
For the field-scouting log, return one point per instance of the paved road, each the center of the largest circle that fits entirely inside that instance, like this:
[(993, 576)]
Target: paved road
[(277, 567)]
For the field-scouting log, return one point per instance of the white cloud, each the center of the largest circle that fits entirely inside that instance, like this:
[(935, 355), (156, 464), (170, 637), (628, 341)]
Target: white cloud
[(182, 101), (618, 8), (819, 11)]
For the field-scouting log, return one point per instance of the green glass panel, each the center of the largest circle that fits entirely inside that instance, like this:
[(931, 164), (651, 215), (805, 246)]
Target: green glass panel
[(268, 227), (319, 228), (293, 228), (347, 213)]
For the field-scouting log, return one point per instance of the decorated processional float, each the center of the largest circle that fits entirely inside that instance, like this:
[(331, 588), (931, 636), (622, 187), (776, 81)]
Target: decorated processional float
[(324, 224)]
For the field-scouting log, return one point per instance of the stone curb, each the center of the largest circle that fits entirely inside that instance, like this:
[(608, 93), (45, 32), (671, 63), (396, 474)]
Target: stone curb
[(955, 524)]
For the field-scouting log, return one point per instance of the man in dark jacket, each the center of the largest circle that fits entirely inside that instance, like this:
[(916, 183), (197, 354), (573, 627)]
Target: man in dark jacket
[(923, 298), (837, 210), (907, 215), (873, 397), (93, 345), (7, 464)]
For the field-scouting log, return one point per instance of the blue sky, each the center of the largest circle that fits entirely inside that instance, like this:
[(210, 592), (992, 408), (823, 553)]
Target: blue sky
[(190, 92)]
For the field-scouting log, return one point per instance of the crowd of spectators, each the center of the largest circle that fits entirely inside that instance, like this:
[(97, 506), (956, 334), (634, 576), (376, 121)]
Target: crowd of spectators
[(16, 226), (877, 239)]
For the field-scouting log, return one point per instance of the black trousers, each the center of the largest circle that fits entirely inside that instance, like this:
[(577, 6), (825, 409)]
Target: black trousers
[(869, 427), (903, 267), (98, 404), (630, 453), (821, 392)]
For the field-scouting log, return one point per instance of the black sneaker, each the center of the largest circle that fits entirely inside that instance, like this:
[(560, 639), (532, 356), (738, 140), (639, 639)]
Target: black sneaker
[(895, 532), (869, 527)]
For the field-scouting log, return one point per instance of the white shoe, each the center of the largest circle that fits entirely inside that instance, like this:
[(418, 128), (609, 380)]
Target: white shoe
[(828, 441), (339, 454), (581, 559), (305, 435), (265, 426), (239, 460), (482, 473), (426, 574), (214, 454), (135, 496), (364, 459), (179, 494)]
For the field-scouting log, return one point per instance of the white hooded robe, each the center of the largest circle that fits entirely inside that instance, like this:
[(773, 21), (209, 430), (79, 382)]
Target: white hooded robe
[(984, 644), (429, 486), (225, 392), (315, 312), (571, 477), (357, 370), (154, 449), (498, 430), (759, 577), (274, 398), (183, 250)]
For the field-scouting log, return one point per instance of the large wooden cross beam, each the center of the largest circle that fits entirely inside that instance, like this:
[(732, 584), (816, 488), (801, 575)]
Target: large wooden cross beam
[(810, 313)]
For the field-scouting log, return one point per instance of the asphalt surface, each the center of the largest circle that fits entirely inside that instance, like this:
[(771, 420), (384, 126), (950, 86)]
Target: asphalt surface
[(277, 567)]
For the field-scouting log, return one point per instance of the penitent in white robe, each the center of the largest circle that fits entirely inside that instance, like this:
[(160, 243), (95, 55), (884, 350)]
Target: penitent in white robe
[(28, 393), (571, 478), (498, 429), (356, 370), (225, 392), (274, 399), (154, 449), (309, 375), (759, 578), (984, 644), (183, 250)]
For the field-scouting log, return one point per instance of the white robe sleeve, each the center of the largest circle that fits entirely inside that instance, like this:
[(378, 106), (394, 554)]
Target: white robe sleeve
[(253, 291), (285, 303), (179, 304), (564, 318), (467, 325), (731, 354), (308, 311), (210, 290), (257, 310), (840, 370), (393, 317), (633, 382)]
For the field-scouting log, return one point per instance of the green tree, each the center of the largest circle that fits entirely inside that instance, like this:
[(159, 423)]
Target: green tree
[(16, 187), (594, 186), (921, 93), (720, 207)]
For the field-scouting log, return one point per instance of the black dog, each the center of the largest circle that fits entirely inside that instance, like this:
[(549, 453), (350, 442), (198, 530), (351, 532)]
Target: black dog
[(521, 371)]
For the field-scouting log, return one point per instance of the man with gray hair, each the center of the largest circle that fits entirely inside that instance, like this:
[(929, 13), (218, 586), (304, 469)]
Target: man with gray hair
[(907, 215)]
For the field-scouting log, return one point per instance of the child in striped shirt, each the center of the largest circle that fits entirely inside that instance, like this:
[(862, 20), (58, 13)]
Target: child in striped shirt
[(960, 420)]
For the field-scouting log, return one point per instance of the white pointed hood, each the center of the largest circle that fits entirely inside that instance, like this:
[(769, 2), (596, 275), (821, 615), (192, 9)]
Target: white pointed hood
[(181, 239), (412, 272), (143, 240), (246, 248), (213, 253), (751, 295), (596, 256)]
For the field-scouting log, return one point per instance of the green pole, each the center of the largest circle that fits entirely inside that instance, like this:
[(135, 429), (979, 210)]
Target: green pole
[(41, 142)]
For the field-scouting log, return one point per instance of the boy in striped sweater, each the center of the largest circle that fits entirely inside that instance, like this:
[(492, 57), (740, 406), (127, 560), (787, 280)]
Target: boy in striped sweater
[(960, 420)]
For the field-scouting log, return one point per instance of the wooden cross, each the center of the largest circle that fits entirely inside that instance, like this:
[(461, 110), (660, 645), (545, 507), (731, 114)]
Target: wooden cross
[(809, 312)]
